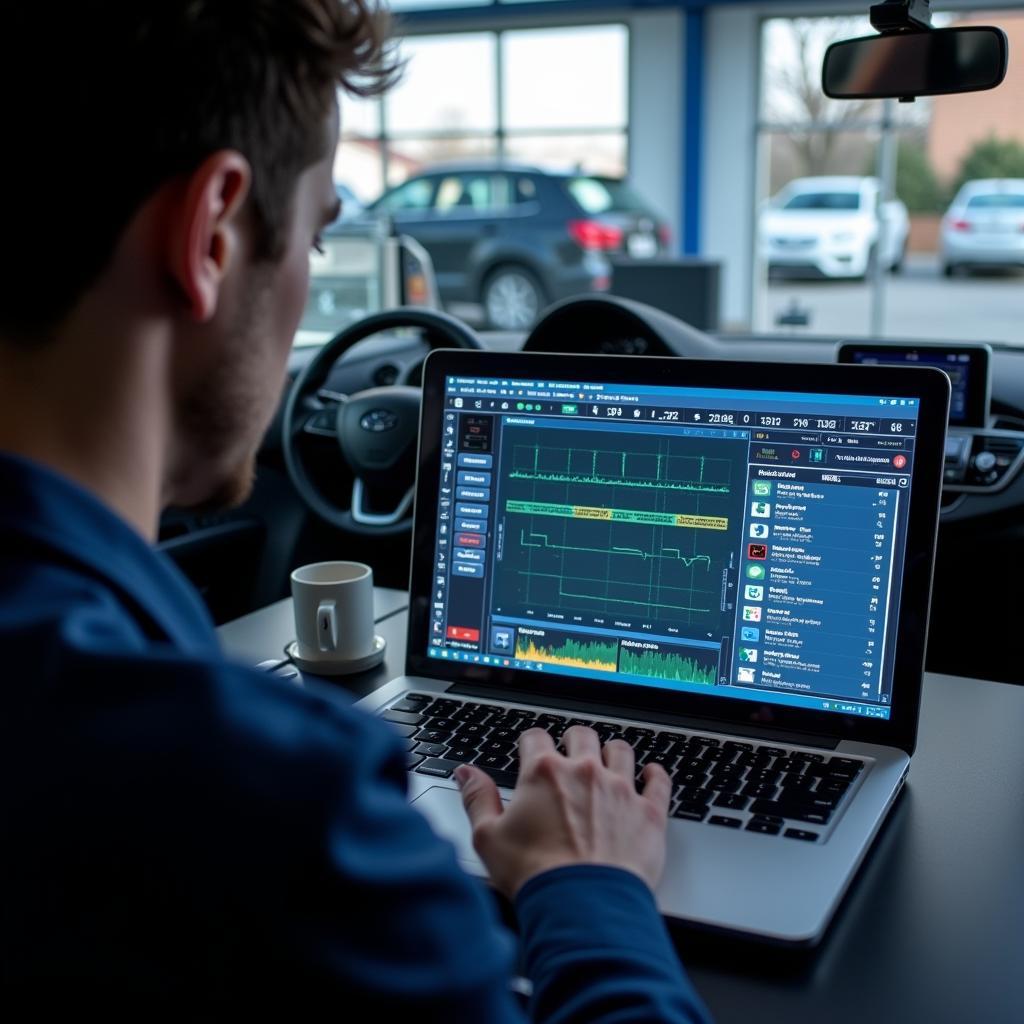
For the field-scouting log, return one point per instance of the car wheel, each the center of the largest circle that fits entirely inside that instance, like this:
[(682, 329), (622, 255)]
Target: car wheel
[(512, 299), (897, 265), (948, 270)]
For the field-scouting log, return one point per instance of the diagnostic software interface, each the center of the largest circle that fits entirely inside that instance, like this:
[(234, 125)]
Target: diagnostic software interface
[(745, 544)]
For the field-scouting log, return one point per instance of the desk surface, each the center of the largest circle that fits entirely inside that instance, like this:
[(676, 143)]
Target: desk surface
[(932, 929)]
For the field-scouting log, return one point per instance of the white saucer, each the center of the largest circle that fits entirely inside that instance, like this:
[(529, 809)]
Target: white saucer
[(338, 668)]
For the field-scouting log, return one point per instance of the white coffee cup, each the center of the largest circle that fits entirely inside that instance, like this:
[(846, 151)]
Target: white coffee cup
[(333, 611)]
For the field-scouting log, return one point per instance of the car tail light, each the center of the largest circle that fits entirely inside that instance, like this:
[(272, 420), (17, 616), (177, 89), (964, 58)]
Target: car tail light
[(592, 234), (960, 224), (665, 235)]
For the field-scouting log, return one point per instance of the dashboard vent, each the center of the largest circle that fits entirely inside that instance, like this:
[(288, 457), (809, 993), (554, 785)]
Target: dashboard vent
[(1007, 446)]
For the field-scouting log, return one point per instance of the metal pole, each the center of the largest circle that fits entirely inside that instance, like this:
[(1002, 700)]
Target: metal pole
[(885, 170)]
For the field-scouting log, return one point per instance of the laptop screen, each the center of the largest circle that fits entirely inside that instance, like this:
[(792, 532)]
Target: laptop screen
[(742, 544)]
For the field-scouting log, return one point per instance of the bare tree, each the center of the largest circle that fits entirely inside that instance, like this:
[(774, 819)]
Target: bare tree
[(794, 50)]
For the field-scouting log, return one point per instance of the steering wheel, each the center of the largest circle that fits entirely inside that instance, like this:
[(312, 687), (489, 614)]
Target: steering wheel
[(376, 429)]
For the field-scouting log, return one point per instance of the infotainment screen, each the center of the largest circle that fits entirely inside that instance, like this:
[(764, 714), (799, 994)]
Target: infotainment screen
[(967, 366)]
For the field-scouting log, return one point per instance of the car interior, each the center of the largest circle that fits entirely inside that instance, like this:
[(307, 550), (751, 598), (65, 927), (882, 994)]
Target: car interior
[(321, 493), (336, 469)]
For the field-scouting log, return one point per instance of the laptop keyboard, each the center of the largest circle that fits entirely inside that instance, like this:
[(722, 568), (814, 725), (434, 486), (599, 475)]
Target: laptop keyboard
[(764, 788)]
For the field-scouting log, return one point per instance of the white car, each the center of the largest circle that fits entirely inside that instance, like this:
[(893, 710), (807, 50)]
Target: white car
[(984, 225), (834, 227)]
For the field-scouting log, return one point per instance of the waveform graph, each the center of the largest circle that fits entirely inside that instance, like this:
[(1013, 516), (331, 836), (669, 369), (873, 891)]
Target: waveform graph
[(668, 663), (618, 527), (584, 465), (555, 647)]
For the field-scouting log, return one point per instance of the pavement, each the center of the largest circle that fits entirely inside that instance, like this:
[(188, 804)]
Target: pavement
[(920, 303)]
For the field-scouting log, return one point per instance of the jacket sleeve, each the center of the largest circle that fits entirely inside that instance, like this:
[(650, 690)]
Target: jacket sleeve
[(596, 949)]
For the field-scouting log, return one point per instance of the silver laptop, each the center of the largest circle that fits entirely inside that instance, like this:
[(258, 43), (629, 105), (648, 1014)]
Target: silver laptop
[(726, 564)]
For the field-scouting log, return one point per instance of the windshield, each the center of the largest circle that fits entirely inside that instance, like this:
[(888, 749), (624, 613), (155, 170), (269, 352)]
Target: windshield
[(997, 201), (823, 201), (820, 217), (603, 195)]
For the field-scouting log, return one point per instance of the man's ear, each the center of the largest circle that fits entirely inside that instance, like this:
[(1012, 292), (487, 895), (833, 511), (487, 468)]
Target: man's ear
[(207, 229)]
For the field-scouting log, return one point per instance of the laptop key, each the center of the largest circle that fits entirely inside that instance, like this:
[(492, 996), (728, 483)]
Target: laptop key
[(408, 704), (732, 801), (697, 794), (462, 754), (760, 790), (473, 730), (690, 810), (768, 828), (411, 760), (405, 731), (419, 698), (834, 786), (431, 749), (846, 762), (722, 819), (430, 735), (442, 708), (725, 785), (799, 833), (806, 755), (402, 718), (437, 767), (795, 812), (498, 762)]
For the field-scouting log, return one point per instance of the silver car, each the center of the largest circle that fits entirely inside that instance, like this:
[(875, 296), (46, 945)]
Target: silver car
[(984, 226)]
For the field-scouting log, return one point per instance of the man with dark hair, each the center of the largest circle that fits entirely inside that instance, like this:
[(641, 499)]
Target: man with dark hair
[(178, 829)]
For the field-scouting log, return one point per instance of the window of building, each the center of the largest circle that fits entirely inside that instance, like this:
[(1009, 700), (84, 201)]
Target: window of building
[(554, 97)]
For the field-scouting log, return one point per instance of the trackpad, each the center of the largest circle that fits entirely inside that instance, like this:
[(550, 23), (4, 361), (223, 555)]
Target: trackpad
[(442, 807)]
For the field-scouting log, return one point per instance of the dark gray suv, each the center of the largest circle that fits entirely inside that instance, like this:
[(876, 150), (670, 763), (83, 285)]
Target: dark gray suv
[(514, 238)]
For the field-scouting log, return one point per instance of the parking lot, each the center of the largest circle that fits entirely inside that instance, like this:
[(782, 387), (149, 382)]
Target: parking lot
[(919, 301)]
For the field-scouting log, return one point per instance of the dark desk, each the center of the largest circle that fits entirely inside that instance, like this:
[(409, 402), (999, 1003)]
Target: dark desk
[(932, 929)]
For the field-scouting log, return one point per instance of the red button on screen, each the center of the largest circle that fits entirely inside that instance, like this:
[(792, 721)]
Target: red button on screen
[(469, 540), (462, 633)]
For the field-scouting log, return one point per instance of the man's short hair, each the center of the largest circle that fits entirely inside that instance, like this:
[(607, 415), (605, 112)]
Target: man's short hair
[(103, 101)]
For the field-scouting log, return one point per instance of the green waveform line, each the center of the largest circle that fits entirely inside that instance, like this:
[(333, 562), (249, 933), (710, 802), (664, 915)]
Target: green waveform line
[(562, 478), (569, 651), (616, 599), (657, 482), (674, 667), (678, 556)]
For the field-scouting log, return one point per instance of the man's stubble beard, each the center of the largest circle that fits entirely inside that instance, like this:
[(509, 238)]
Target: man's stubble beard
[(218, 419)]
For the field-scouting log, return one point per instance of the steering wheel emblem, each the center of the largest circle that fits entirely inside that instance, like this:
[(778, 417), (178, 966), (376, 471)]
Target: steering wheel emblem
[(379, 420)]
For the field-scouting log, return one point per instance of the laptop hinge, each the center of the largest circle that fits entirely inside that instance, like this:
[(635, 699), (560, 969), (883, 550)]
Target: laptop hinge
[(641, 716)]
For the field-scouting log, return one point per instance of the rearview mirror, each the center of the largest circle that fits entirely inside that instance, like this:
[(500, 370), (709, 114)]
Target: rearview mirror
[(904, 65)]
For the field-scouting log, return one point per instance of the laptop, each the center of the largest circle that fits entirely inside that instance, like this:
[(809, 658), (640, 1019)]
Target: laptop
[(726, 564)]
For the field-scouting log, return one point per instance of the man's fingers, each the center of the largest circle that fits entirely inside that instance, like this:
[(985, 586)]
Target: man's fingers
[(581, 741), (532, 744), (480, 795), (657, 787), (619, 758)]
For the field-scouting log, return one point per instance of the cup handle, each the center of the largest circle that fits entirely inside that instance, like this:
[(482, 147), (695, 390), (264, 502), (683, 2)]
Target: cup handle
[(327, 626)]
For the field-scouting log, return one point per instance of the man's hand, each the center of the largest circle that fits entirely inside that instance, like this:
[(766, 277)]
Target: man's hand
[(577, 808)]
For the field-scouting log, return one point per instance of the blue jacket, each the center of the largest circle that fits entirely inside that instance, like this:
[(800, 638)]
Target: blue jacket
[(175, 824)]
